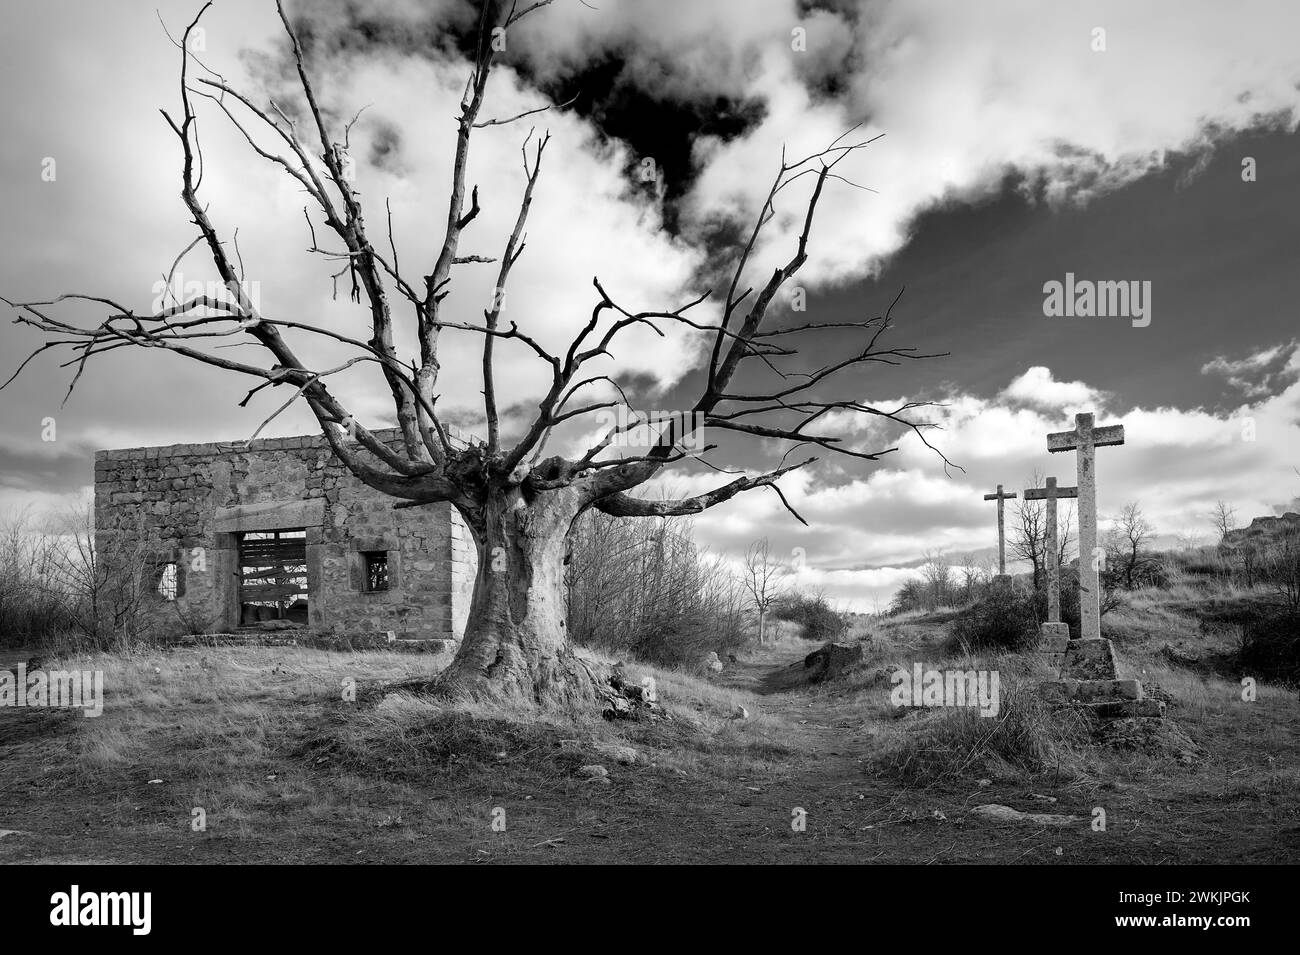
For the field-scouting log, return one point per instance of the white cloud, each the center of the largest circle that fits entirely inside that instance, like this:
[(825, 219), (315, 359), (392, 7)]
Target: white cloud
[(1037, 388), (1176, 463), (1255, 375)]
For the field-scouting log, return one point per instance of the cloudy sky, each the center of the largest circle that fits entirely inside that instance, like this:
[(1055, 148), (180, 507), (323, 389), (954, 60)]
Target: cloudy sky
[(1139, 142)]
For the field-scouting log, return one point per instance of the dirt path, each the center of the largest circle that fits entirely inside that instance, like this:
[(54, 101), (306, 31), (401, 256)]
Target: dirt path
[(815, 798)]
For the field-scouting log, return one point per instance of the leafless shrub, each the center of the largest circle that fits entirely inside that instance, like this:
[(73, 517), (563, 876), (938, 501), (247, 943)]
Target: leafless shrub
[(646, 588)]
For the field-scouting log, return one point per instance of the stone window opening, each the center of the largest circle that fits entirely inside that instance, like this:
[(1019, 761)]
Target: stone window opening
[(168, 581), (376, 579)]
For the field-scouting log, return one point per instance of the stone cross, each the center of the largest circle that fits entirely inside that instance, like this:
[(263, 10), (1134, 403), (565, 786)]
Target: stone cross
[(999, 496), (1084, 439), (1052, 556)]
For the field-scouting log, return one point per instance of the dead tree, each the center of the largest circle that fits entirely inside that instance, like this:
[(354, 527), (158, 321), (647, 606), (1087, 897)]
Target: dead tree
[(1224, 519), (1029, 534), (762, 578), (1128, 543), (518, 502)]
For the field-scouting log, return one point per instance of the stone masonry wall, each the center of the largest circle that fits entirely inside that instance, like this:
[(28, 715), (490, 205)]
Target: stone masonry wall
[(188, 503)]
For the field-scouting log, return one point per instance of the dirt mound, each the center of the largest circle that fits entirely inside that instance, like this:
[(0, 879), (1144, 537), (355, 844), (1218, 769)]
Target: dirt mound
[(832, 660), (1151, 737)]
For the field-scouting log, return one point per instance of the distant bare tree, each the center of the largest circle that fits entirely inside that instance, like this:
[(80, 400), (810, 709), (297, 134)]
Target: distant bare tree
[(763, 579), (1128, 557), (109, 589), (972, 576), (645, 587), (1029, 532), (1223, 518), (936, 572)]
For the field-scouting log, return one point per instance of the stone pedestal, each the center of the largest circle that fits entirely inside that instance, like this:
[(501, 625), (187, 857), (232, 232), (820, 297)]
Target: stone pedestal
[(1053, 638), (1090, 682), (1091, 658)]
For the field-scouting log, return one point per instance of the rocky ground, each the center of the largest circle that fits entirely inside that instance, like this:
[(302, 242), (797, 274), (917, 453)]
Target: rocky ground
[(258, 746)]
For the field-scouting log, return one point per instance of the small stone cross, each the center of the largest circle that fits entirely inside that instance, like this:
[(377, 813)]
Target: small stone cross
[(1001, 496), (1052, 556)]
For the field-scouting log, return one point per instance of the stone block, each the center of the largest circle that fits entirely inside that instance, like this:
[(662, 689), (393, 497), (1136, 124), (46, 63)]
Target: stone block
[(1091, 691), (1114, 709), (1053, 638), (1089, 659)]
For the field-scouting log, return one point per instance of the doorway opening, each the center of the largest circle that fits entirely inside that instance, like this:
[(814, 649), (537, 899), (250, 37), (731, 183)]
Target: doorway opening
[(273, 576)]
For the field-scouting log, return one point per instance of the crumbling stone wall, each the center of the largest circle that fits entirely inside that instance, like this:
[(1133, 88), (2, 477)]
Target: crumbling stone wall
[(190, 502)]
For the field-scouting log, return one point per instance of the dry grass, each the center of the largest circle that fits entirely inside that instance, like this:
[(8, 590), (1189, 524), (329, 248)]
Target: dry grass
[(262, 740), (1025, 738)]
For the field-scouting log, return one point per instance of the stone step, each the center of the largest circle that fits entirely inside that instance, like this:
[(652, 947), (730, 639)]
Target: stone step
[(1113, 709), (306, 638), (1053, 637), (1089, 659), (1090, 691)]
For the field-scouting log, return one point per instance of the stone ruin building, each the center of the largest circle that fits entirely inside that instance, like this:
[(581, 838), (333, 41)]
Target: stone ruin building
[(277, 534)]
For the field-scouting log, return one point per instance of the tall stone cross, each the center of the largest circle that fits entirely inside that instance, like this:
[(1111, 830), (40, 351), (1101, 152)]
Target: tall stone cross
[(1084, 439), (1052, 557), (999, 496)]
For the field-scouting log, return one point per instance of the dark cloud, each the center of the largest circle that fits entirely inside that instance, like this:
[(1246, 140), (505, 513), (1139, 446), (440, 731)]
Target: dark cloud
[(56, 468)]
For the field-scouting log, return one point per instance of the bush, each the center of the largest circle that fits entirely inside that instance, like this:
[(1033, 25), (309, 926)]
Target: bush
[(1270, 644), (645, 588), (1069, 600), (1273, 646), (682, 644), (1026, 736), (1005, 618), (819, 621)]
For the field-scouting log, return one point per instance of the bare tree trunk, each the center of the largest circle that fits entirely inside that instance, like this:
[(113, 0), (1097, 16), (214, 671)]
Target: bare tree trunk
[(516, 645)]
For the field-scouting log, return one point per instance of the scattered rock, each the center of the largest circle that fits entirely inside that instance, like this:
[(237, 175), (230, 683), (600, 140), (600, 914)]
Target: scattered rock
[(999, 813), (620, 754), (1179, 657), (630, 701), (593, 771), (832, 660), (740, 713), (1155, 691)]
